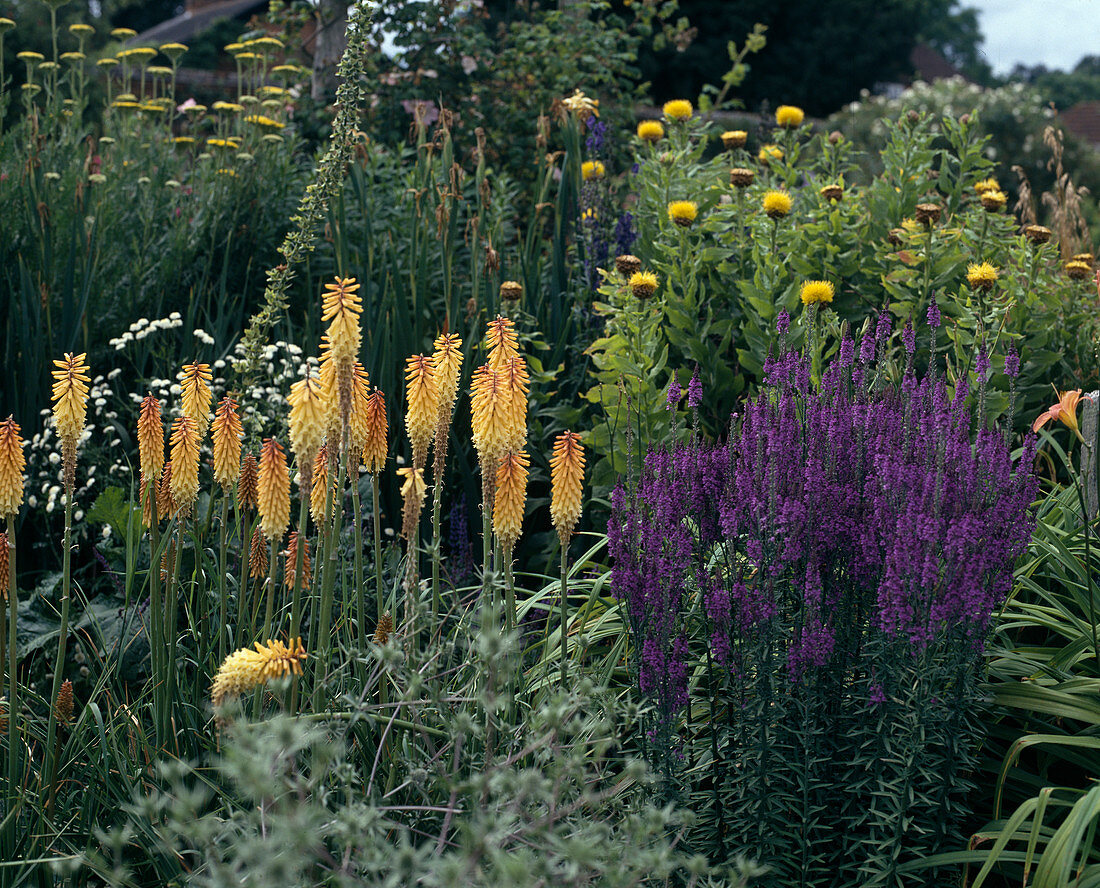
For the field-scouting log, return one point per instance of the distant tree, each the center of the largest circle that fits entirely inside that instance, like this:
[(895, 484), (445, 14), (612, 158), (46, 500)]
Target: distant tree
[(819, 55), (1063, 89)]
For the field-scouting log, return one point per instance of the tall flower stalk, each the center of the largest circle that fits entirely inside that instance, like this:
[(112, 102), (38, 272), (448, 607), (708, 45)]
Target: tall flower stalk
[(12, 464), (566, 482)]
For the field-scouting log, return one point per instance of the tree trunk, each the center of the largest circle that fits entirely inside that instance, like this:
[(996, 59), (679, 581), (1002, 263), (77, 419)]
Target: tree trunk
[(329, 44)]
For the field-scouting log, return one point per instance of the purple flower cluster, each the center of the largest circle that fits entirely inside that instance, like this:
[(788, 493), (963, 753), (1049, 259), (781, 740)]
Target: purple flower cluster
[(831, 517)]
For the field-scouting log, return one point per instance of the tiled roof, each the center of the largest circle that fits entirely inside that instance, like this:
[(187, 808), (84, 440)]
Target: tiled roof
[(1083, 120)]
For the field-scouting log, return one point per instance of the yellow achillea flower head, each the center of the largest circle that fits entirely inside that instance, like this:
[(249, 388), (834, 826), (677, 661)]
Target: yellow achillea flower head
[(985, 185), (360, 396), (769, 153), (274, 491), (342, 307), (197, 396), (511, 495), (247, 669), (981, 276), (307, 419), (377, 446), (501, 338), (566, 480), (290, 565), (150, 433), (318, 493), (412, 495), (651, 131), (422, 406), (184, 479), (227, 433), (683, 212), (789, 116), (12, 463), (777, 204), (70, 396), (592, 169), (678, 109), (816, 293), (248, 485)]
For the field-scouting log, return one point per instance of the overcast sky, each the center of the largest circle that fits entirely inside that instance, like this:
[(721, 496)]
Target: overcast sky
[(1055, 33)]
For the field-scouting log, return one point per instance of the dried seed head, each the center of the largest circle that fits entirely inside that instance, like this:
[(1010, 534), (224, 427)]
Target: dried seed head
[(734, 139), (627, 264), (566, 482), (63, 706), (227, 433), (12, 463), (248, 485), (383, 630), (833, 192), (928, 213), (273, 501), (511, 290), (1037, 234), (246, 669), (741, 177)]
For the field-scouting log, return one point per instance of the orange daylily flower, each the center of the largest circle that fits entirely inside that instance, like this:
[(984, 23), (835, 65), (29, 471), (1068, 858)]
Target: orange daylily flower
[(1065, 412)]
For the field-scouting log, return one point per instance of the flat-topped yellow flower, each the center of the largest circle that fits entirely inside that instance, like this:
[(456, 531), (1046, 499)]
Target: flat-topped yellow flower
[(678, 109), (651, 131), (421, 406), (789, 116), (566, 483), (777, 204), (227, 433), (816, 293), (247, 669), (184, 479), (273, 500), (12, 463)]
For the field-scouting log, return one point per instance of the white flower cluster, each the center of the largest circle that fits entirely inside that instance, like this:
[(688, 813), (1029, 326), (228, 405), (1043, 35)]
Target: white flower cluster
[(143, 327)]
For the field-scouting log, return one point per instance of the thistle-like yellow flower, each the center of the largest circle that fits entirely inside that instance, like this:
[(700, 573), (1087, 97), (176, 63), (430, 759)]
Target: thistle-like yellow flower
[(70, 397), (247, 669), (566, 480), (12, 463), (248, 485), (290, 564), (643, 284), (816, 293), (342, 307), (227, 433), (777, 204), (994, 201), (274, 491), (185, 463), (197, 396), (501, 339), (318, 493), (734, 139), (307, 419), (422, 406), (678, 109), (511, 496), (683, 212), (413, 491), (1078, 270), (377, 446), (987, 185), (768, 153), (789, 116), (150, 434), (651, 131), (592, 169), (981, 276)]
